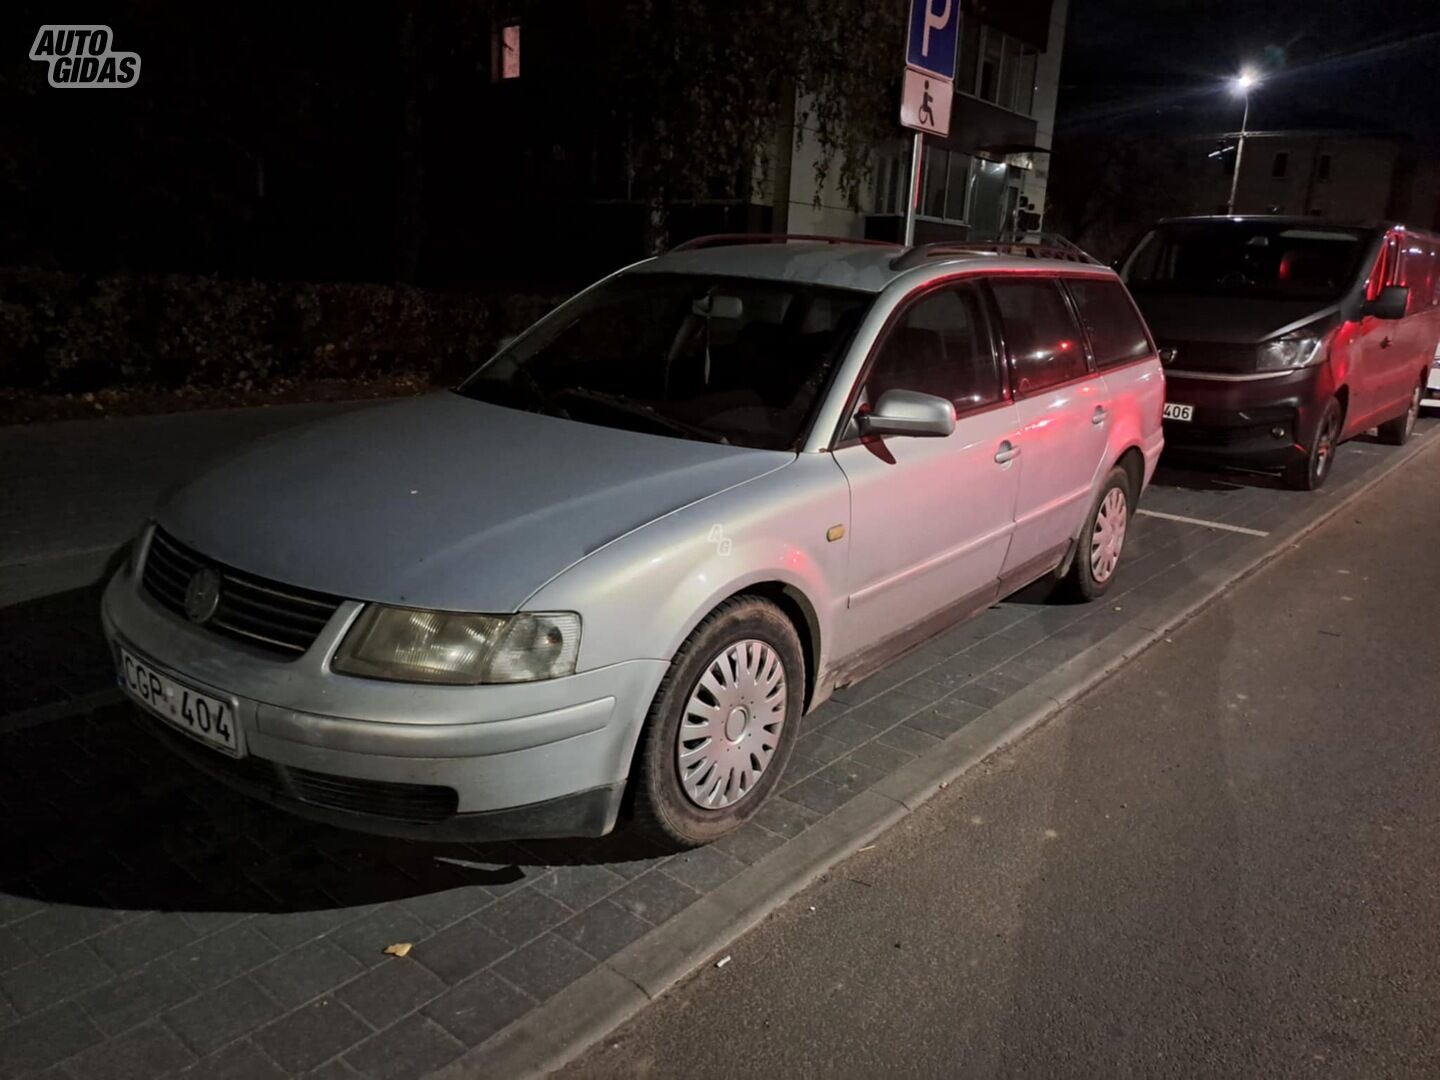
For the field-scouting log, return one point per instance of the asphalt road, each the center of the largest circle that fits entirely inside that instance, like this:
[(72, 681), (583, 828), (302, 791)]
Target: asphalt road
[(1224, 861)]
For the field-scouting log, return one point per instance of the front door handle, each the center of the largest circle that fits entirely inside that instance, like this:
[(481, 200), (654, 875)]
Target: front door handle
[(1385, 342), (1006, 453), (1098, 416)]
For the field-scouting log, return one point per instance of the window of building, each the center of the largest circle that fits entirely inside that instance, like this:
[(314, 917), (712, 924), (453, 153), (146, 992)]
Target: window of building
[(991, 51), (944, 185), (1322, 169), (940, 346), (996, 67), (505, 52), (1281, 165), (1041, 337), (1117, 336)]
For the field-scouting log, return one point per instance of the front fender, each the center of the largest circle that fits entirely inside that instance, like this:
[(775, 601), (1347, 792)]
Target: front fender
[(640, 596)]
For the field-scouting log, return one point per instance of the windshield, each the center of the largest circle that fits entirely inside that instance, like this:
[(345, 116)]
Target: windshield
[(1257, 259), (726, 360)]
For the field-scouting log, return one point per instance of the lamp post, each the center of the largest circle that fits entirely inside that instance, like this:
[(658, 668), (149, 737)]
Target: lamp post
[(1242, 84)]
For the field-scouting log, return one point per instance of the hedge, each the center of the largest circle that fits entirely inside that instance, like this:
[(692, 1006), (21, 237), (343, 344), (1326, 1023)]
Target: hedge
[(67, 333)]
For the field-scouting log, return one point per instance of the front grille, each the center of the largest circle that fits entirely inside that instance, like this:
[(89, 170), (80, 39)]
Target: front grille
[(1179, 435), (270, 615), (268, 780), (1213, 357), (404, 802)]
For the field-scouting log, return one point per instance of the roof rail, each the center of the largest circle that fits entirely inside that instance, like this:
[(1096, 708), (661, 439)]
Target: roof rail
[(732, 239), (1045, 246)]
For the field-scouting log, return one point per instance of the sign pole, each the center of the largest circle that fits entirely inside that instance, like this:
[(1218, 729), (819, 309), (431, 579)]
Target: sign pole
[(917, 151)]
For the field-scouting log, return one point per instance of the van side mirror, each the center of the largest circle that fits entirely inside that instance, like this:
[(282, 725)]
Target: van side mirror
[(1390, 304), (909, 412)]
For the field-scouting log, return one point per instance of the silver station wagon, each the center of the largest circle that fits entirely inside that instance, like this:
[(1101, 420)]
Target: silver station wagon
[(608, 575)]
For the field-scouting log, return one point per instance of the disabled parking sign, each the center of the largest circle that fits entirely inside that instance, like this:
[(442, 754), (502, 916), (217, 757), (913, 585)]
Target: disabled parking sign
[(930, 65)]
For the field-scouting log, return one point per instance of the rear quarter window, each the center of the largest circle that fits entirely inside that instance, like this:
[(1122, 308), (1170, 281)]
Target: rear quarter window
[(1117, 335)]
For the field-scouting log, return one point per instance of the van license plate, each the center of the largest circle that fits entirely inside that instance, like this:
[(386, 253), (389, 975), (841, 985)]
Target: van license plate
[(1179, 412), (209, 719)]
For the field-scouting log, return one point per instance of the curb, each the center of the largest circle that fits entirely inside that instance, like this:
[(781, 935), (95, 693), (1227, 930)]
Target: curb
[(558, 1030)]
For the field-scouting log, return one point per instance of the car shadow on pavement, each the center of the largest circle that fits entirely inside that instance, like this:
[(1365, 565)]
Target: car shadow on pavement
[(98, 813)]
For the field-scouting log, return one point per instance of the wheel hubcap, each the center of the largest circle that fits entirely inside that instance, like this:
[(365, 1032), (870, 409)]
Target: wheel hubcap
[(1109, 537), (732, 725)]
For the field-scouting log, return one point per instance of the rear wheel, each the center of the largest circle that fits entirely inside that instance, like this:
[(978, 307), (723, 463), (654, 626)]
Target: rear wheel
[(1310, 472), (1397, 432), (722, 725), (1102, 540)]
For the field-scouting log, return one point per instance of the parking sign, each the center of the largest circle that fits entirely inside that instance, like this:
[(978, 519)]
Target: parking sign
[(934, 28)]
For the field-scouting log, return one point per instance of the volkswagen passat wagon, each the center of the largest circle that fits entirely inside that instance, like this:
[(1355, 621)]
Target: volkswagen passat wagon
[(612, 571)]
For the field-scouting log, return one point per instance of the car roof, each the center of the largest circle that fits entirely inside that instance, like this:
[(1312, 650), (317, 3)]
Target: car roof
[(865, 267)]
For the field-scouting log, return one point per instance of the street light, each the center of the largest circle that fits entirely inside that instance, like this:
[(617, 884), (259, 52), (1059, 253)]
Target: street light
[(1241, 85)]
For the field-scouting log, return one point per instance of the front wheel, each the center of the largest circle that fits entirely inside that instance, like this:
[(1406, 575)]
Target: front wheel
[(1397, 432), (1310, 472), (1102, 540), (722, 725)]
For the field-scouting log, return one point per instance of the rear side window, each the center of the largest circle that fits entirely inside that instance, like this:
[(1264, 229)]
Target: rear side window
[(940, 346), (1040, 335), (1117, 336)]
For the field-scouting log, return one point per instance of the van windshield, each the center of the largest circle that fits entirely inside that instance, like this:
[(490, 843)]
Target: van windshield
[(1259, 259), (741, 361)]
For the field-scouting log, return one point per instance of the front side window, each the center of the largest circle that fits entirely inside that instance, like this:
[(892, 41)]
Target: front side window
[(1117, 336), (939, 346), (1041, 337), (728, 360)]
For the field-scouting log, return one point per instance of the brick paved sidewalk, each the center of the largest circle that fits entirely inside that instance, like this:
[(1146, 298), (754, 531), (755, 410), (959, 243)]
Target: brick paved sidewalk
[(151, 923)]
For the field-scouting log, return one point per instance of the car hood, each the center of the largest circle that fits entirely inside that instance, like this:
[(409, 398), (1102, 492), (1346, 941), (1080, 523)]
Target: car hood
[(443, 502), (1227, 319)]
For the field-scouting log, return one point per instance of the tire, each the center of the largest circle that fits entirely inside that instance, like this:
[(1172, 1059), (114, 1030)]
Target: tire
[(1102, 540), (1311, 471), (685, 805), (1397, 432)]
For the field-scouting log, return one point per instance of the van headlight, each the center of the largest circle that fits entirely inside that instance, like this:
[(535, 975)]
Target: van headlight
[(409, 645), (1291, 351)]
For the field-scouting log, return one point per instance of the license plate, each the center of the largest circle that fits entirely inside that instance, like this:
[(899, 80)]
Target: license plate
[(1179, 412), (209, 719)]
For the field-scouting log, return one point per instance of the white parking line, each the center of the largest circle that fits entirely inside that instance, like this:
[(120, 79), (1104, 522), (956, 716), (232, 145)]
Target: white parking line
[(1202, 521)]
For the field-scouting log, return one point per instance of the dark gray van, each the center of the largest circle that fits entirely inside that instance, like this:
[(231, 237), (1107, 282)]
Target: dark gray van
[(1283, 337)]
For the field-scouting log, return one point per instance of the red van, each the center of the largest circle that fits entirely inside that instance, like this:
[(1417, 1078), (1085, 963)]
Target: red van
[(1283, 337)]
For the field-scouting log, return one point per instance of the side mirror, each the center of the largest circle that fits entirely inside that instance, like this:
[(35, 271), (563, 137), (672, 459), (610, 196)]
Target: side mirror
[(1390, 304), (909, 412)]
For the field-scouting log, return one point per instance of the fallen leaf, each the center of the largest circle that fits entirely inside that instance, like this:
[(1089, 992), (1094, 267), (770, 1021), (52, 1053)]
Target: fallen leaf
[(400, 949)]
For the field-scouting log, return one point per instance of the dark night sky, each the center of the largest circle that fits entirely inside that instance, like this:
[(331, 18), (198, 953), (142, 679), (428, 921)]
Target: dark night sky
[(1155, 63)]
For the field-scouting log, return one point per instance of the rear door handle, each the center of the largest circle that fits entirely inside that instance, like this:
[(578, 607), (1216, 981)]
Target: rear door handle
[(1098, 416), (1385, 342), (1006, 453)]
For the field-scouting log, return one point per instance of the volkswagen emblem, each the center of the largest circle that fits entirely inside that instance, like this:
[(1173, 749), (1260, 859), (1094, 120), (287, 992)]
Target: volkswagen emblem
[(202, 595)]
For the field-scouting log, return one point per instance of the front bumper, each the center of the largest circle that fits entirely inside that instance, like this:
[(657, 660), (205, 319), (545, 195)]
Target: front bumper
[(439, 762), (1265, 423)]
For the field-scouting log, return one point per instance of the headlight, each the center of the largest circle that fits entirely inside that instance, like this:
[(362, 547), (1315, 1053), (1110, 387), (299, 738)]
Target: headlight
[(1290, 351), (407, 645)]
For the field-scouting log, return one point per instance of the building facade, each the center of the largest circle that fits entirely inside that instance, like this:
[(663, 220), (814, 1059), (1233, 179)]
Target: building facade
[(995, 160), (1331, 174)]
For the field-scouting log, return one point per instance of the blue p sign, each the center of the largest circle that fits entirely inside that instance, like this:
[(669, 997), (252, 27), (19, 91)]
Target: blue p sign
[(934, 27)]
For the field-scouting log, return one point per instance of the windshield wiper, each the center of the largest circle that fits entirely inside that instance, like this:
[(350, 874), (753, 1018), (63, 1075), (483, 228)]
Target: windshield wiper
[(621, 403)]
